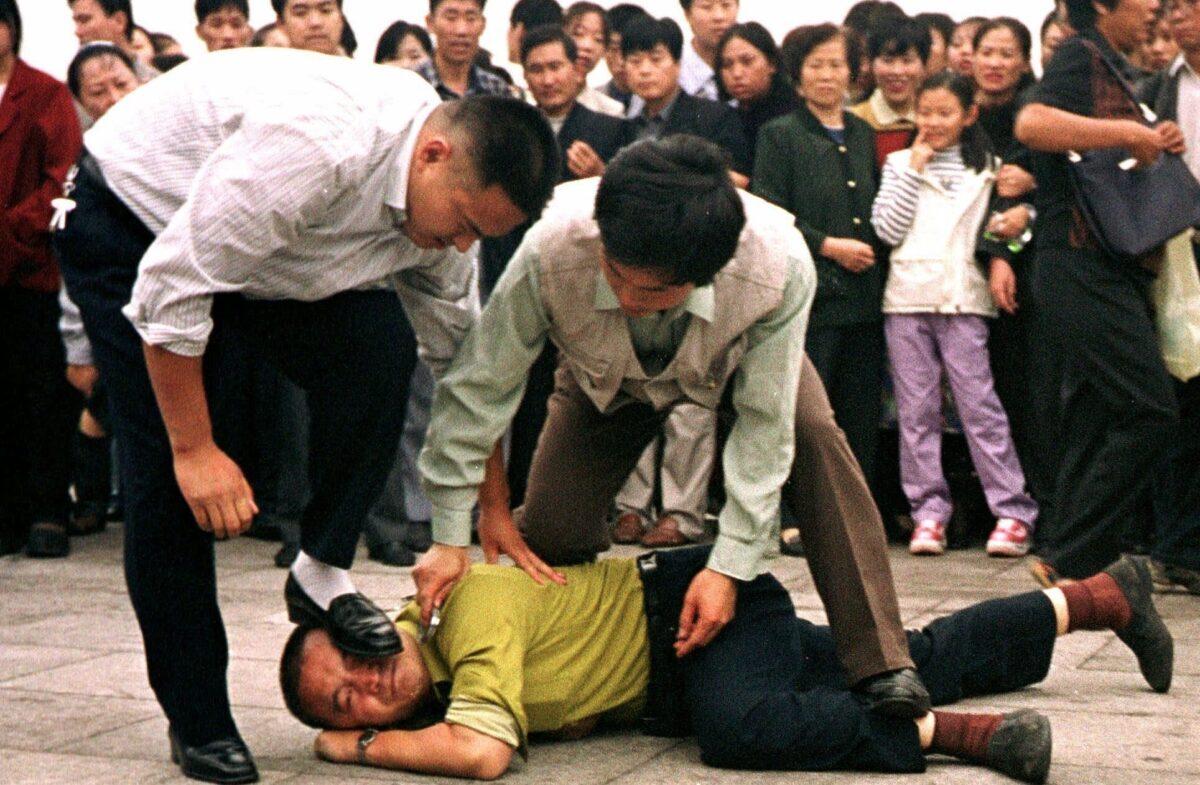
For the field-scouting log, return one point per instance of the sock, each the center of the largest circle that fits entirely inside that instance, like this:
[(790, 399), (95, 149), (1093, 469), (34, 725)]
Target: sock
[(320, 581), (964, 736), (1096, 604)]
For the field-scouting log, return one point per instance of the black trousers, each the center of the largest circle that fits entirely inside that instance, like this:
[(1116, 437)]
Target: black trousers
[(342, 351), (1117, 412), (1177, 489), (769, 692), (850, 360), (38, 410)]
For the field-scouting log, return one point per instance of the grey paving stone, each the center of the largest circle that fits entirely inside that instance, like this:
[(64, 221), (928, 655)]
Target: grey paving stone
[(20, 660), (24, 768), (43, 721)]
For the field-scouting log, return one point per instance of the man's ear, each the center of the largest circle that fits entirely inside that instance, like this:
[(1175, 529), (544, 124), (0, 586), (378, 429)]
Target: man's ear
[(435, 150)]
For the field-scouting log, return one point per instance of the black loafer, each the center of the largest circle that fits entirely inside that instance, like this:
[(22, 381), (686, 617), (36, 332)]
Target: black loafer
[(391, 553), (225, 761), (286, 554), (47, 540), (1146, 634), (355, 624), (896, 694), (1021, 746)]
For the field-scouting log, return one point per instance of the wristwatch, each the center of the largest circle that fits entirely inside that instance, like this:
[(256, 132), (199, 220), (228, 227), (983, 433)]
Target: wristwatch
[(364, 741)]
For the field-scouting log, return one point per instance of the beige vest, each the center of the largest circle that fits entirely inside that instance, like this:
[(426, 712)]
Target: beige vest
[(596, 345)]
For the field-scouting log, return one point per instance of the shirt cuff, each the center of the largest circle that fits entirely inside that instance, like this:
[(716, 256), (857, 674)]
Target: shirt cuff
[(187, 342), (488, 719), (79, 351), (742, 561), (451, 527)]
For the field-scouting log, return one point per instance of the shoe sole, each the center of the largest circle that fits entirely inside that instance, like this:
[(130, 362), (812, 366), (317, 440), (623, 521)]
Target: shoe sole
[(249, 778), (899, 709), (926, 549), (1007, 550), (1028, 759)]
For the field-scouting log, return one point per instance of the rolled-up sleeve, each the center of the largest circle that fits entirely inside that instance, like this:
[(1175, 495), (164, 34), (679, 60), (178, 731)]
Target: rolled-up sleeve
[(478, 395), (758, 453), (441, 298), (70, 326), (251, 198)]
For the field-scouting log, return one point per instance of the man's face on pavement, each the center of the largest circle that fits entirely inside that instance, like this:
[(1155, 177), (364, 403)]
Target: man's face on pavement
[(456, 26), (345, 691), (92, 24), (642, 291), (315, 25), (445, 205), (225, 28)]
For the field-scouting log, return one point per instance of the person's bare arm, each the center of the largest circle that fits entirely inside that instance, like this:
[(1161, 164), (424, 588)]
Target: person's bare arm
[(211, 483), (443, 749), (1051, 130)]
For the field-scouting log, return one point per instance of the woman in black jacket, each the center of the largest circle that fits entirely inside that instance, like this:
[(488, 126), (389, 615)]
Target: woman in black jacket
[(748, 74)]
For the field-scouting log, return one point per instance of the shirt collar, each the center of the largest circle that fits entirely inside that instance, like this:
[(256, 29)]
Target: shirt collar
[(638, 112), (1181, 64), (884, 112), (701, 302), (396, 194)]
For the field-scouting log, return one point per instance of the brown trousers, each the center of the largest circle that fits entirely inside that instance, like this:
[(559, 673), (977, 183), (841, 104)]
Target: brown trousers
[(584, 456)]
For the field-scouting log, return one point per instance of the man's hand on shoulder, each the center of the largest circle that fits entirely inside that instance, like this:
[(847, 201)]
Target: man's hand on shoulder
[(707, 607), (435, 575)]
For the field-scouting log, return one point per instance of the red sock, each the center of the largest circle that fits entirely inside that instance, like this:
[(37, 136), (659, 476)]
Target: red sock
[(1096, 604), (964, 736)]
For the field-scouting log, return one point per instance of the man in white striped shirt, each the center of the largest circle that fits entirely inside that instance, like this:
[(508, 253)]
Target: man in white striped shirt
[(273, 196)]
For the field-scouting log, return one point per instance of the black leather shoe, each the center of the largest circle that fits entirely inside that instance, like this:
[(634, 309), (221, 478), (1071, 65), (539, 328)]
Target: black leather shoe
[(896, 694), (287, 554), (1021, 747), (1146, 634), (47, 540), (391, 553), (355, 624), (225, 761)]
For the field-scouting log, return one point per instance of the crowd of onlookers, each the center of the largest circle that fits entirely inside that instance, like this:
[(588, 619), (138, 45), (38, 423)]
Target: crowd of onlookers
[(982, 388)]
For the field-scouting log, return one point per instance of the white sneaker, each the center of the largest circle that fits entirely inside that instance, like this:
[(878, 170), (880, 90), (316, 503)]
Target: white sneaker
[(928, 539), (1009, 539)]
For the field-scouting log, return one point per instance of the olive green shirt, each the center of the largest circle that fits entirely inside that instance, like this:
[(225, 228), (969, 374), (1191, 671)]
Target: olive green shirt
[(519, 658)]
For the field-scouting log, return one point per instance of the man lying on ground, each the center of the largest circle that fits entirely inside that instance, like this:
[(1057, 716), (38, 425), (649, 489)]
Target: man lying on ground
[(767, 693)]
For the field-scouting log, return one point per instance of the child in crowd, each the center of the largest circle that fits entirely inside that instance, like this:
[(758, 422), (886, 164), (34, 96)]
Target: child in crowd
[(931, 206)]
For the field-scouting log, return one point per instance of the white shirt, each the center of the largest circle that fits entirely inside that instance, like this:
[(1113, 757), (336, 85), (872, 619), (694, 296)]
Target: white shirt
[(697, 77), (277, 174), (1189, 112)]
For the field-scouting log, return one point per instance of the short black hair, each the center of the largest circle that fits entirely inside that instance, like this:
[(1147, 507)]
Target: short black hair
[(864, 16), (687, 4), (10, 16), (800, 43), (535, 13), (943, 23), (110, 7), (620, 15), (164, 63), (643, 34), (512, 146), (670, 205), (433, 4), (206, 8), (279, 5), (895, 37), (394, 35), (548, 34), (582, 8), (162, 41), (90, 52), (291, 668), (1081, 14)]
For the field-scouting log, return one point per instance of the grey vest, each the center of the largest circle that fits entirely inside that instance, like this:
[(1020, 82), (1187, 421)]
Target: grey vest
[(596, 345)]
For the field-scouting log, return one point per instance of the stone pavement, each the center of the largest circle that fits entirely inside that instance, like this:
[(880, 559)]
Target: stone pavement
[(75, 707)]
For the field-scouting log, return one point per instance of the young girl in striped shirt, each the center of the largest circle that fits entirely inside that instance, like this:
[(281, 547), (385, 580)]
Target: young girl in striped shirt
[(932, 202)]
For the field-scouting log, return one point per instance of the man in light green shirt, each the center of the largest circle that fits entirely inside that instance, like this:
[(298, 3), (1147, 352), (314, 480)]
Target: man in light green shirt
[(661, 283)]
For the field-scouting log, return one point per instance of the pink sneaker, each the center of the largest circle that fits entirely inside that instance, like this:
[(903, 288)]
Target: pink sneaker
[(929, 539), (1009, 539)]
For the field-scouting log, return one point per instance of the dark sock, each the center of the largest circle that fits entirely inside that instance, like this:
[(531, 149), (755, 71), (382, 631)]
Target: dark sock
[(92, 470), (964, 736), (1096, 604)]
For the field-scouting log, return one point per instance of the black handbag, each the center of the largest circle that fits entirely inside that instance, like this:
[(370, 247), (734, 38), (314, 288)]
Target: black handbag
[(1133, 210)]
